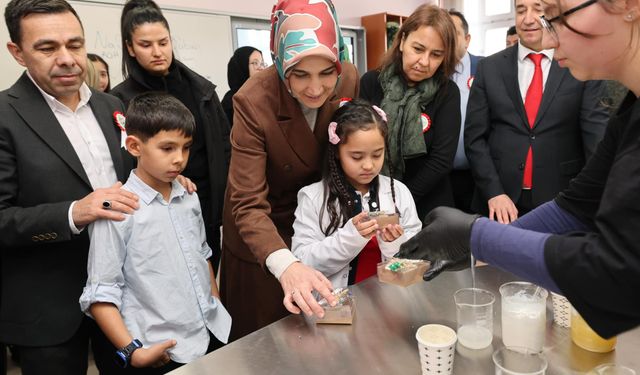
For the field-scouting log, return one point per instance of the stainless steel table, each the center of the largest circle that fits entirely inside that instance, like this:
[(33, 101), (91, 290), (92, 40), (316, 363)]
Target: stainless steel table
[(382, 337)]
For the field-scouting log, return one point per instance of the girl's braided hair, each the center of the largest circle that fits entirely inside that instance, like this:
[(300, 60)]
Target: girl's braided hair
[(354, 115)]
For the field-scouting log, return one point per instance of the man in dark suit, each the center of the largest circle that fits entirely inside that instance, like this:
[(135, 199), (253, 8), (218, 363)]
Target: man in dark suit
[(60, 163), (461, 179), (530, 125)]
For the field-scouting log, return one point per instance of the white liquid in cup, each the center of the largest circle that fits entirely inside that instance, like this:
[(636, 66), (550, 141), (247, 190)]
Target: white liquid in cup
[(523, 322), (435, 335), (474, 337)]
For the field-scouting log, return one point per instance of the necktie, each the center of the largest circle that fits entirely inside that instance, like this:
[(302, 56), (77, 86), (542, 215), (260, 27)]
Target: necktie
[(531, 106)]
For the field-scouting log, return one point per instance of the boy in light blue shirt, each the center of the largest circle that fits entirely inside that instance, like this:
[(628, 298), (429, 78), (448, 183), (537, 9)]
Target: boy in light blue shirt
[(150, 287)]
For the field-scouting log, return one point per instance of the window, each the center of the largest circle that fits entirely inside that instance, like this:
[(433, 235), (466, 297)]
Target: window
[(488, 24), (497, 7), (256, 33), (494, 40)]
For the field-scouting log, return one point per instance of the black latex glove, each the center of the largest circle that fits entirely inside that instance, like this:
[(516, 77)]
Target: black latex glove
[(444, 241)]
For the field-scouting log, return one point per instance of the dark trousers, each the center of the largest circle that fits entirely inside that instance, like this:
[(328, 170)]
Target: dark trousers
[(3, 359), (105, 355), (462, 186), (67, 358), (525, 203)]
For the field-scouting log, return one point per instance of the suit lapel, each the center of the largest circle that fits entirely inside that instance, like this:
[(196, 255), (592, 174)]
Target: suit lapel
[(510, 77), (297, 132), (35, 112), (556, 75), (104, 115)]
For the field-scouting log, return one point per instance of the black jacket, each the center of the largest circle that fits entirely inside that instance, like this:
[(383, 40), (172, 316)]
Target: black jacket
[(427, 176), (44, 265), (215, 130), (599, 271), (570, 123)]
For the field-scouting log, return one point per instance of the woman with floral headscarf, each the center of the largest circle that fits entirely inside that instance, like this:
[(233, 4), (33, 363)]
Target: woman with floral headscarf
[(279, 135)]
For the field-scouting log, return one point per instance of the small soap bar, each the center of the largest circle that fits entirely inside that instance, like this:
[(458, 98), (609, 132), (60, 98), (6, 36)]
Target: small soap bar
[(342, 312), (402, 272)]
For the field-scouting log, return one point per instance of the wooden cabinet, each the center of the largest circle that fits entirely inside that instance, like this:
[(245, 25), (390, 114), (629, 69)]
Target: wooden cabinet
[(376, 27)]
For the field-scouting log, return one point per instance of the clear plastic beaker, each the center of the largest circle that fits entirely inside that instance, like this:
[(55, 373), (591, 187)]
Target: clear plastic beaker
[(474, 312), (524, 315), (518, 361)]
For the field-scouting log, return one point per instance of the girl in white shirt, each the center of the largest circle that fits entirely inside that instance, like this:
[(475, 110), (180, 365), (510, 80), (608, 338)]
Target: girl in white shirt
[(333, 229)]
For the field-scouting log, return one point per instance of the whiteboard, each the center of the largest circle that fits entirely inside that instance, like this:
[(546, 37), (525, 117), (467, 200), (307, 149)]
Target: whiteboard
[(202, 41)]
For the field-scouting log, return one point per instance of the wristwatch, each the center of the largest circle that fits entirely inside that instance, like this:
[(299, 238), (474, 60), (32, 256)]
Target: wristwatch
[(123, 356)]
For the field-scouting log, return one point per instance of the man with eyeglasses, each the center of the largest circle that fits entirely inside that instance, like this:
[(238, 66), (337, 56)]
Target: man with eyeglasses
[(530, 125)]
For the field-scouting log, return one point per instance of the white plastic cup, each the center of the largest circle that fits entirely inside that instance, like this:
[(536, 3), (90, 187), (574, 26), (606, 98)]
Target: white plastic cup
[(611, 369), (524, 315), (561, 310), (474, 313), (518, 361), (436, 345)]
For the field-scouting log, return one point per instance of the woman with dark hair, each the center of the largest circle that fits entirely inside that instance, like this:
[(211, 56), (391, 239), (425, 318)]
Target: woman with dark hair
[(148, 64), (102, 71), (584, 243), (412, 86), (279, 135), (245, 62)]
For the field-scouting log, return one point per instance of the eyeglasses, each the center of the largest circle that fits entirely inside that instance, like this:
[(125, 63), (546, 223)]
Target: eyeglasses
[(258, 64), (547, 24)]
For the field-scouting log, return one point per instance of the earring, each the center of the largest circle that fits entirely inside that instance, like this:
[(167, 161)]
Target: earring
[(629, 17)]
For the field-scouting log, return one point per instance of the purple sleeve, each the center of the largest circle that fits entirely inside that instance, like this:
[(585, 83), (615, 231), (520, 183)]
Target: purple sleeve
[(550, 218), (512, 249)]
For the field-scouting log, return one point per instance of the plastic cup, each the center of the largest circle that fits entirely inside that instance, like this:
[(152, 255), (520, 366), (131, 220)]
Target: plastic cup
[(436, 345), (474, 313), (611, 369), (561, 310), (518, 361), (524, 315), (586, 338)]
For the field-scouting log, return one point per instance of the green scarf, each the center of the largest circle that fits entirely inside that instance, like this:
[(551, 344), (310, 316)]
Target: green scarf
[(403, 106)]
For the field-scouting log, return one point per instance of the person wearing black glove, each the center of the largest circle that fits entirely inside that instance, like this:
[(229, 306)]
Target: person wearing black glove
[(583, 244), (444, 241)]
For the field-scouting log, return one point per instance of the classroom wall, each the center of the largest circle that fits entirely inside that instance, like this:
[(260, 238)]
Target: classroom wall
[(195, 24), (349, 11)]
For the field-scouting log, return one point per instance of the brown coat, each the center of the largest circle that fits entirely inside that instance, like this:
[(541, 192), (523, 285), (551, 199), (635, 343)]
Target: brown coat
[(274, 154)]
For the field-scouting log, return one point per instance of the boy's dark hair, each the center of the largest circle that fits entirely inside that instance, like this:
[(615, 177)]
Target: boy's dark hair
[(134, 14), (357, 114), (16, 10), (465, 24), (152, 112), (511, 31)]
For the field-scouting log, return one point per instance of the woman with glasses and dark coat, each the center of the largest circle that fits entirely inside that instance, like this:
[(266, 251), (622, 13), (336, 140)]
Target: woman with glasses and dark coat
[(584, 243)]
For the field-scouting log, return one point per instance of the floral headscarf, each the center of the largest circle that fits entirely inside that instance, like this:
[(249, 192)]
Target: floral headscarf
[(301, 28)]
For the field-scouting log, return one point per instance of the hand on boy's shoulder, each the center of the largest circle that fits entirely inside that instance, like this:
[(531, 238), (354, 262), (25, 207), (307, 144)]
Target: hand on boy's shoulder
[(105, 203), (187, 184)]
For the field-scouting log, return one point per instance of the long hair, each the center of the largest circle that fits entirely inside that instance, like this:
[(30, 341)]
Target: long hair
[(96, 58), (441, 22), (354, 115), (134, 14)]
